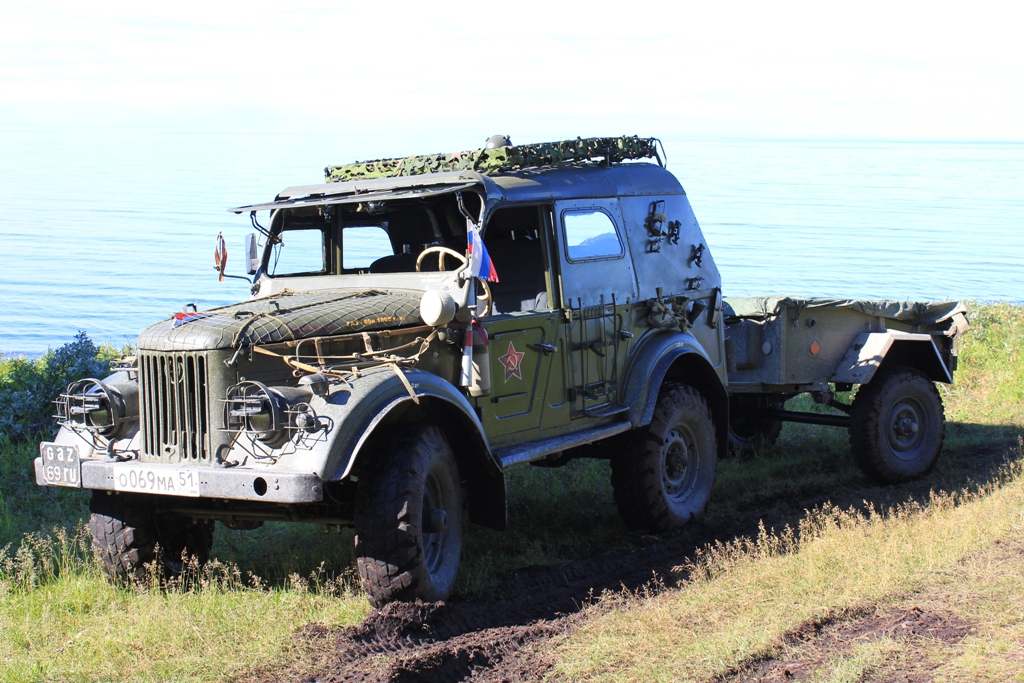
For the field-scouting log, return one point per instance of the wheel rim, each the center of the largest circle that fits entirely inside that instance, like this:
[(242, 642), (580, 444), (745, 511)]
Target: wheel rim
[(905, 428), (679, 460), (434, 544)]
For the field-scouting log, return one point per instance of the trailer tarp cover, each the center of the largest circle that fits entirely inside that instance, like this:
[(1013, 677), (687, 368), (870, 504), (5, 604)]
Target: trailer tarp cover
[(911, 312)]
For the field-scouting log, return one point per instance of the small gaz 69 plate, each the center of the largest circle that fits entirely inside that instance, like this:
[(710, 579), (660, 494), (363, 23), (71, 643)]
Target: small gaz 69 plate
[(61, 466)]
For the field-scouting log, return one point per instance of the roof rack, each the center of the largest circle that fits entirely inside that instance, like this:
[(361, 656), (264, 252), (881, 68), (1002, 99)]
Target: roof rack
[(503, 159)]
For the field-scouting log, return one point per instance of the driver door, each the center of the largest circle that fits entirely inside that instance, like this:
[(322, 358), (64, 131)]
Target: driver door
[(523, 326)]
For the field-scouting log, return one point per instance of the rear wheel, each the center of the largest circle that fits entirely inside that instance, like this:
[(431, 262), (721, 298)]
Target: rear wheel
[(126, 531), (664, 479), (897, 426), (409, 517), (749, 433)]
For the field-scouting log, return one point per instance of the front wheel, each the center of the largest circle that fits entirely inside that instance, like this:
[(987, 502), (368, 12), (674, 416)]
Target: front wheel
[(409, 517), (664, 479), (126, 531), (897, 426)]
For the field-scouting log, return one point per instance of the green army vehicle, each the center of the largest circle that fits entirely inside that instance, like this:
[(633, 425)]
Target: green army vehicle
[(419, 325)]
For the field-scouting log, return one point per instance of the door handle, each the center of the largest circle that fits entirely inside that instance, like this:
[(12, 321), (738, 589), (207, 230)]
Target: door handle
[(546, 349)]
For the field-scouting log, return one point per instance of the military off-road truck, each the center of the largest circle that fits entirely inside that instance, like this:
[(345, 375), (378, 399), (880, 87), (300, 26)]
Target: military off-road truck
[(418, 325)]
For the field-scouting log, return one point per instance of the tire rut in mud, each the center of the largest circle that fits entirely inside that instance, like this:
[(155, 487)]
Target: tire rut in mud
[(495, 638), (505, 635), (484, 639), (813, 644)]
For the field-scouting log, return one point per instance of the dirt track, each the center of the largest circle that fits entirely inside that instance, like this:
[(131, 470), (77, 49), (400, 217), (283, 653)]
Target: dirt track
[(839, 633), (503, 636)]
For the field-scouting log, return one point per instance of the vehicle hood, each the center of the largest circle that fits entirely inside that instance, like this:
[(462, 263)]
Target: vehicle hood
[(284, 317)]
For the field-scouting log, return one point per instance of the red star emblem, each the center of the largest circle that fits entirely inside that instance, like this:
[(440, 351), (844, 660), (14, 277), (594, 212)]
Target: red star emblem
[(513, 362)]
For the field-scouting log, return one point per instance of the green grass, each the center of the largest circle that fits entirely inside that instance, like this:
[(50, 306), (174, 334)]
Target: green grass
[(67, 623), (555, 514), (989, 387), (25, 507)]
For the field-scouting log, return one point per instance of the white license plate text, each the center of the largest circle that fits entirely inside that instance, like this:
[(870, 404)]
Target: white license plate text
[(166, 481)]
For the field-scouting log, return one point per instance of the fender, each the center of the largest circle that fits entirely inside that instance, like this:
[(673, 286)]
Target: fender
[(380, 398), (653, 359), (870, 350), (677, 356)]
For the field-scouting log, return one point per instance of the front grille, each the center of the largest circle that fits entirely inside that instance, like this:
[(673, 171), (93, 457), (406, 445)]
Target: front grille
[(175, 407)]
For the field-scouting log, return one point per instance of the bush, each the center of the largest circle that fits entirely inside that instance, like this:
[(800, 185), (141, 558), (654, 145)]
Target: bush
[(28, 387)]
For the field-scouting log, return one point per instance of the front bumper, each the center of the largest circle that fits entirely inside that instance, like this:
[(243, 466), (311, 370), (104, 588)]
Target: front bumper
[(212, 482)]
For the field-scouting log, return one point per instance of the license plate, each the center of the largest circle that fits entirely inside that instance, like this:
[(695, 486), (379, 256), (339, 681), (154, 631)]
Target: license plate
[(170, 481), (61, 466)]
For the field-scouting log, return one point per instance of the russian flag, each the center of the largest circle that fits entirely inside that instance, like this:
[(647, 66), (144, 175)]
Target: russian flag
[(480, 264)]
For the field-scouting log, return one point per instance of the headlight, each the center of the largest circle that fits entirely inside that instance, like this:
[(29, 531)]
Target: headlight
[(268, 414), (90, 404)]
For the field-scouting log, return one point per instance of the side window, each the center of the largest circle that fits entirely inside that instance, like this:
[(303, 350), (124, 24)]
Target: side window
[(299, 251), (590, 234), (362, 245)]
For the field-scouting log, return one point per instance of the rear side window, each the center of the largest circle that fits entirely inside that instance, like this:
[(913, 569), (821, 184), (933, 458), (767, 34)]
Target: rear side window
[(362, 245), (590, 234), (299, 251)]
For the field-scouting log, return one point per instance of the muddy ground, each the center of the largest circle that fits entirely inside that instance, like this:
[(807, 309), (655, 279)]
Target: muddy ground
[(505, 635), (814, 643)]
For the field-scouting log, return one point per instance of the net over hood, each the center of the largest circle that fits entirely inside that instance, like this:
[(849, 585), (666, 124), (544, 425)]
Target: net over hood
[(284, 317)]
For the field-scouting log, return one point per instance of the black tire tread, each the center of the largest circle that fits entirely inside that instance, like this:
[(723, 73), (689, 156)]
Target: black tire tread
[(125, 537), (402, 456), (636, 479), (764, 439), (765, 432), (866, 417)]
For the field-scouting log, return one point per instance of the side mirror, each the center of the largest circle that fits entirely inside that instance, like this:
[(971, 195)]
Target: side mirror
[(220, 256), (252, 253)]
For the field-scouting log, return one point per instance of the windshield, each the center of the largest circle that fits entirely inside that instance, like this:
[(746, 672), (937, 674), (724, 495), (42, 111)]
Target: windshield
[(369, 238), (363, 245)]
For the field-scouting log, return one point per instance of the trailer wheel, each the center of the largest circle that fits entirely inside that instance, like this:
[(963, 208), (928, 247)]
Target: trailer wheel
[(749, 433), (409, 517), (664, 480), (126, 531), (897, 426)]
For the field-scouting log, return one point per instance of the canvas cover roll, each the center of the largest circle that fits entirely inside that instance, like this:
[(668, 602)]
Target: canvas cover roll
[(910, 312)]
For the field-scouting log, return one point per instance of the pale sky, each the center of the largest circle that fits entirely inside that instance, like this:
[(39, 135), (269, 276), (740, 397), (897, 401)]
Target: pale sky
[(895, 70)]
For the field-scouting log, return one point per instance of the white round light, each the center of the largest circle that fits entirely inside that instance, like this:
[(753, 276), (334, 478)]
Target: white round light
[(437, 308)]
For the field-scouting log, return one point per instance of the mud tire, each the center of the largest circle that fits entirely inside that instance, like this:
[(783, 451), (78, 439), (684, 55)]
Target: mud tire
[(749, 434), (413, 470), (897, 426), (664, 479), (126, 532)]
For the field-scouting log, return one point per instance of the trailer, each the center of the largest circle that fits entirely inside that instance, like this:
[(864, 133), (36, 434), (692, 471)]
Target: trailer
[(779, 347)]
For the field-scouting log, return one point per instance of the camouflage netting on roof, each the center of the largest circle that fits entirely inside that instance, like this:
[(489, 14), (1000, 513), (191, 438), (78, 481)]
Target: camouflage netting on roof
[(285, 317), (911, 312), (488, 161)]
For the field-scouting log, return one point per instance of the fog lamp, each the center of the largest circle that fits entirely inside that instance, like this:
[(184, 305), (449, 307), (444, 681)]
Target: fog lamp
[(97, 407), (269, 414), (254, 408)]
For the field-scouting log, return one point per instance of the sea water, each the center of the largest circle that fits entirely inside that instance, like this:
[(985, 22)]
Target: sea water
[(108, 230)]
